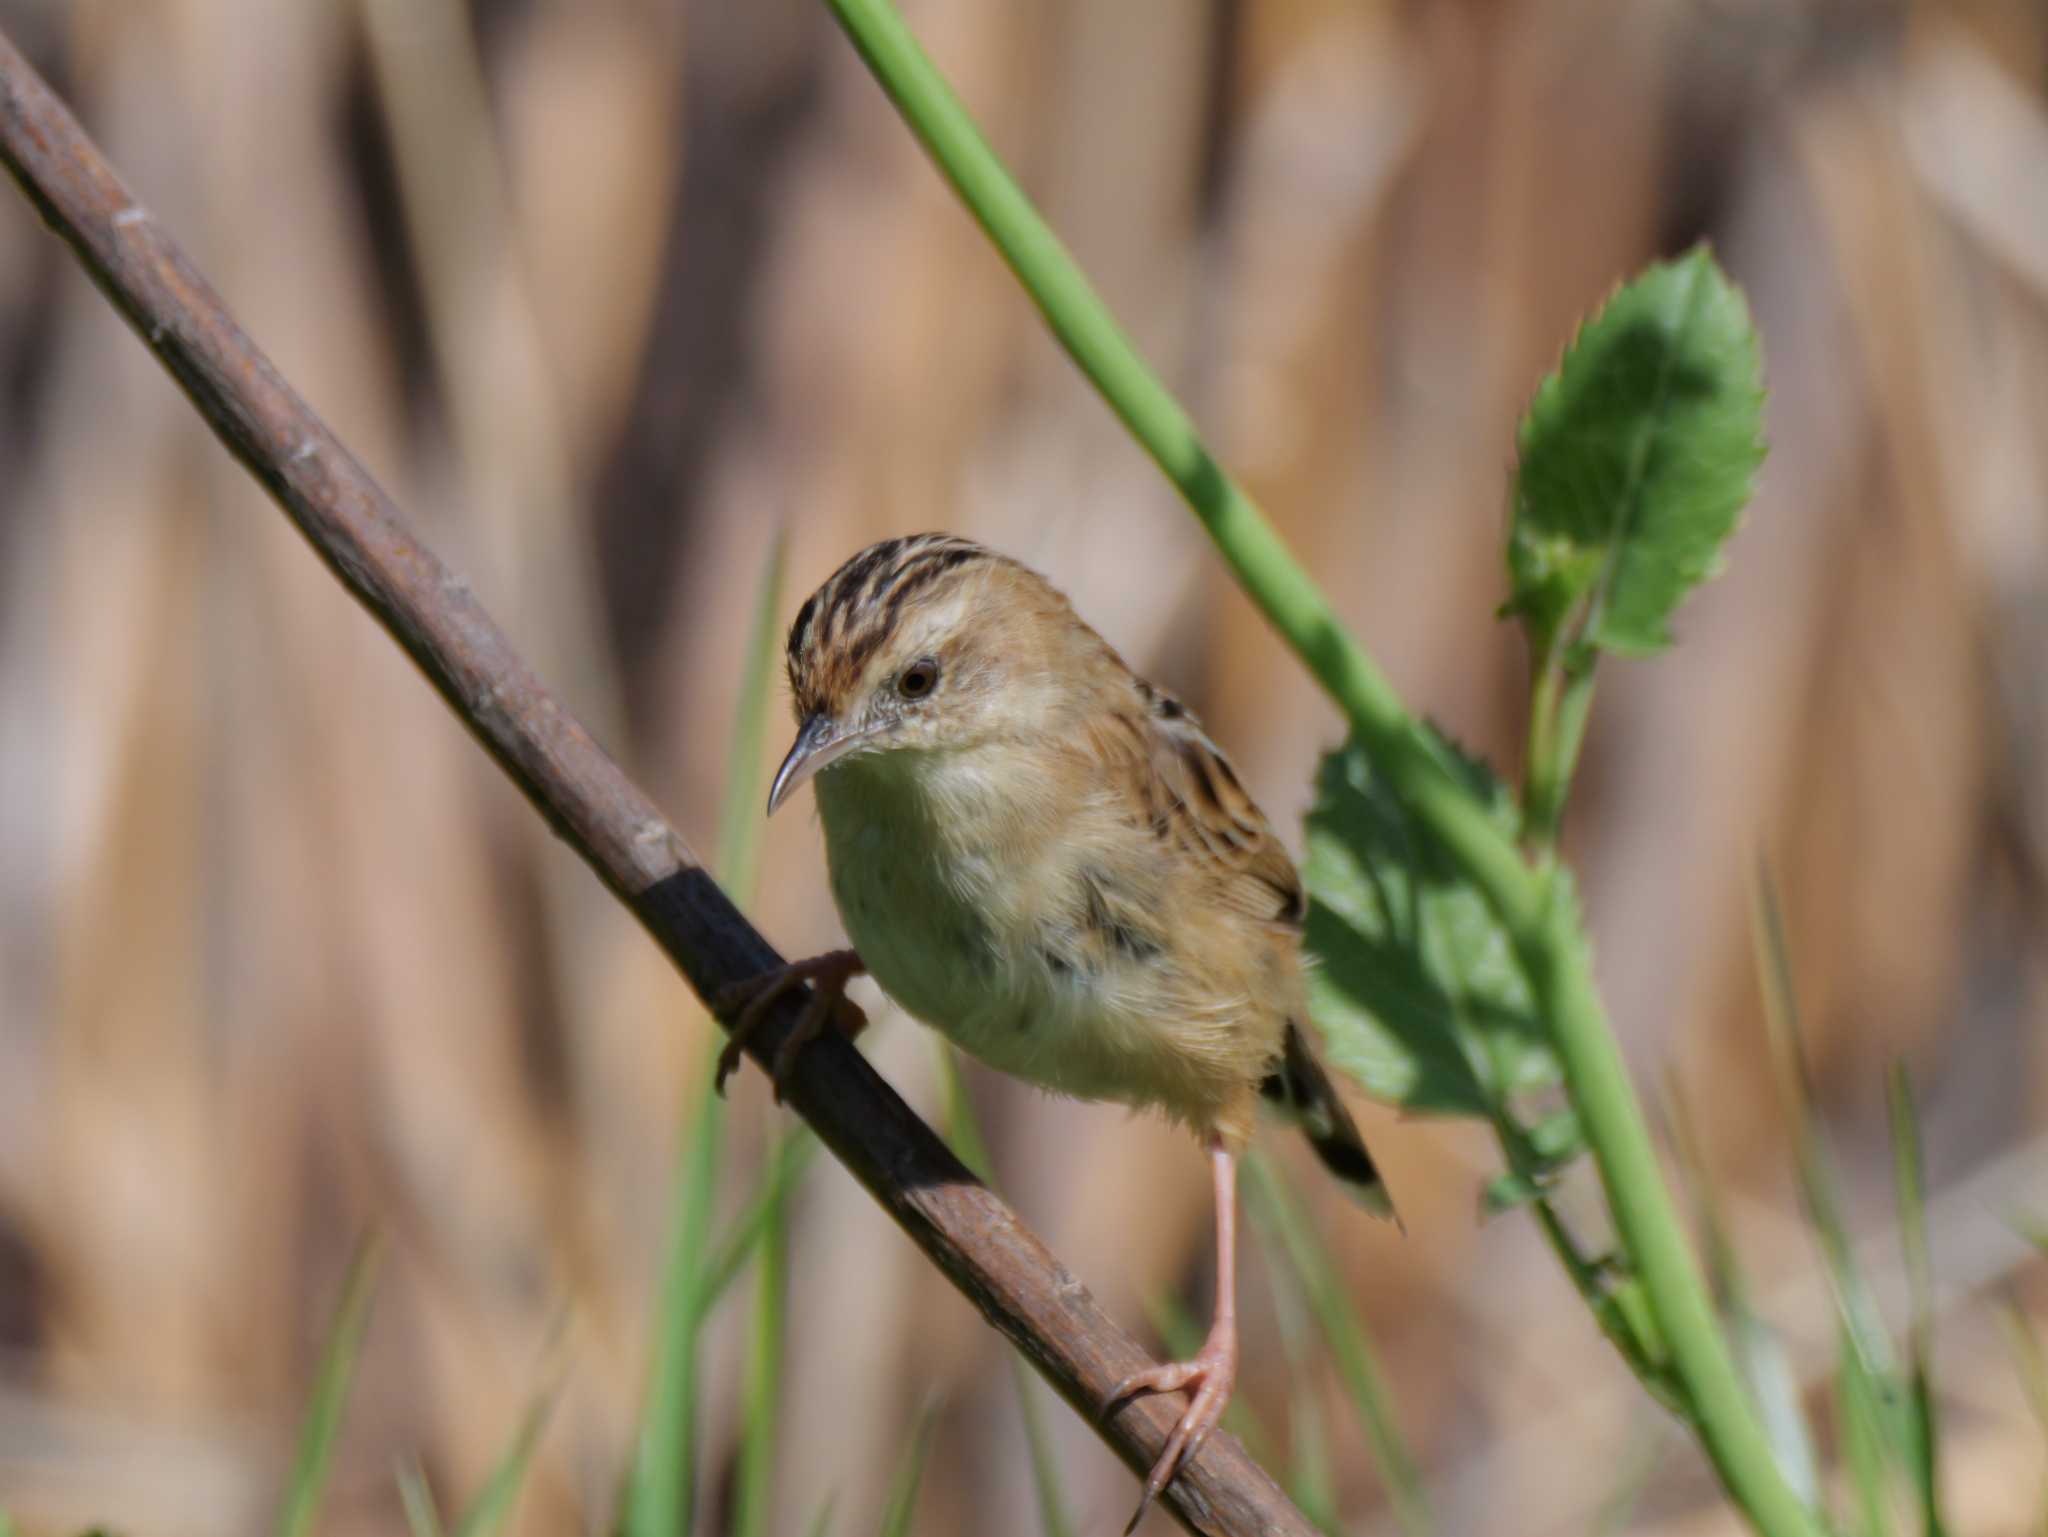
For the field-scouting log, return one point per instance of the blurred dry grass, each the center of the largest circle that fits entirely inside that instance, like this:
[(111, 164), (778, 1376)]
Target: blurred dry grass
[(607, 291)]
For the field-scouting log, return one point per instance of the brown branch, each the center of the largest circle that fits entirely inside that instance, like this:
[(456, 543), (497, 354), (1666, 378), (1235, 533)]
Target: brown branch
[(969, 1233)]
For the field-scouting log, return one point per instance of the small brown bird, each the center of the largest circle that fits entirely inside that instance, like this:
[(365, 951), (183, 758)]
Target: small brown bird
[(1041, 855)]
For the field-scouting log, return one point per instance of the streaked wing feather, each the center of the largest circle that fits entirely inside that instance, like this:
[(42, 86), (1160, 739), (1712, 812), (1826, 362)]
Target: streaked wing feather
[(1193, 799)]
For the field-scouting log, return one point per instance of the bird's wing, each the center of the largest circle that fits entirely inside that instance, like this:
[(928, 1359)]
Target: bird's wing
[(1190, 797)]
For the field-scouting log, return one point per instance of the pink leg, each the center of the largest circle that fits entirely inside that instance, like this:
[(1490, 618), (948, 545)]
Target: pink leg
[(830, 972), (1213, 1372)]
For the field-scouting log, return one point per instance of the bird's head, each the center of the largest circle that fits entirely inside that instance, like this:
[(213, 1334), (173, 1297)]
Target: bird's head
[(927, 643)]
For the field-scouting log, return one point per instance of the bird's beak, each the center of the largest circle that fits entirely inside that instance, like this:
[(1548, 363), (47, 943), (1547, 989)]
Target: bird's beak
[(820, 742)]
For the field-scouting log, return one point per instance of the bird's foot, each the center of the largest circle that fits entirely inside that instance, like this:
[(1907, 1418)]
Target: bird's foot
[(1209, 1379), (828, 973)]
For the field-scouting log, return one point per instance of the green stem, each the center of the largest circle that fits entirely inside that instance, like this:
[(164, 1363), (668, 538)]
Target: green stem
[(1558, 707), (1543, 929)]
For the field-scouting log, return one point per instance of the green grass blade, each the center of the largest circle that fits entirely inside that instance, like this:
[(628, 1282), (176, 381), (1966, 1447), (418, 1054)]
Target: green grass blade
[(903, 1488), (2031, 1365), (1311, 1483), (322, 1426), (1053, 1517), (1641, 1453), (422, 1519), (662, 1497), (964, 1135), (1873, 1400), (1344, 1331), (761, 1391), (956, 1111), (768, 1227), (1819, 1187), (1923, 1427), (1860, 1405), (739, 817), (1759, 1350), (821, 1523), (786, 1167), (7, 1526), (493, 1505), (2029, 1361)]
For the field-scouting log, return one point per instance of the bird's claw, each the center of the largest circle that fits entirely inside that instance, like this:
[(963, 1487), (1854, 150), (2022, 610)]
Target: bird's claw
[(1210, 1375), (829, 974)]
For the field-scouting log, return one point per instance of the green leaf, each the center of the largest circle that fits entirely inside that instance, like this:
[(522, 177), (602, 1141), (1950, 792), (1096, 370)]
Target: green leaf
[(1636, 461), (1416, 989), (322, 1428)]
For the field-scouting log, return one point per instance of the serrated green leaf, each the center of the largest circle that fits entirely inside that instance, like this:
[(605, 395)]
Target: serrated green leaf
[(1416, 989), (1636, 459)]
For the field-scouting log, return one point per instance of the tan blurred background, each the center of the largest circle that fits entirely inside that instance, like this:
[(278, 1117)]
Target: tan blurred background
[(608, 291)]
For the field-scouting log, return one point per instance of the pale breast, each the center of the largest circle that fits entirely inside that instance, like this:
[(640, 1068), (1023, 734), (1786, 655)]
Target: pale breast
[(1041, 946)]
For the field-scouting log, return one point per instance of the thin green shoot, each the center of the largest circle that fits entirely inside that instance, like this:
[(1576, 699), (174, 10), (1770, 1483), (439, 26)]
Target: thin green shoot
[(322, 1427), (492, 1508), (1050, 1489), (1274, 1204), (793, 1155), (1641, 1453), (909, 1478), (2031, 1365), (739, 844), (761, 1390), (739, 815), (1759, 1350), (1923, 1429), (1819, 1187), (1311, 1483), (964, 1136), (422, 1518), (662, 1498)]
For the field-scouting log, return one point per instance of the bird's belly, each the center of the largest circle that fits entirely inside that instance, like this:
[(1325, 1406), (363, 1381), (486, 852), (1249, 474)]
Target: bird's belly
[(986, 987)]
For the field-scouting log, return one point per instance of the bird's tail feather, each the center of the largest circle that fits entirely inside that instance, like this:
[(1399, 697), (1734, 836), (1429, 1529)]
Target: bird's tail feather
[(1303, 1092)]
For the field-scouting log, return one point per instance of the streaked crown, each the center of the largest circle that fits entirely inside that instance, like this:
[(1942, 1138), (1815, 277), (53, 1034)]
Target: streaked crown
[(864, 604)]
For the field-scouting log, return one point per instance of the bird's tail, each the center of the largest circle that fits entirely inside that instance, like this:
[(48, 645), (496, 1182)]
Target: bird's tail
[(1303, 1092)]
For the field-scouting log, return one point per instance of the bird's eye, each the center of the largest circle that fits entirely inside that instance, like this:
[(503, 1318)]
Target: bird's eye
[(918, 679)]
